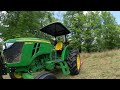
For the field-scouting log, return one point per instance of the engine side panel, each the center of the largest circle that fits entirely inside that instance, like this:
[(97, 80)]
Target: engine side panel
[(30, 51)]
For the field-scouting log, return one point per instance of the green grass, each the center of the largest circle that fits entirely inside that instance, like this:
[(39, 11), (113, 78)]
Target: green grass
[(104, 65)]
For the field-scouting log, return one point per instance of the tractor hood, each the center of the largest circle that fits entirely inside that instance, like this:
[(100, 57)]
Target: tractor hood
[(27, 40)]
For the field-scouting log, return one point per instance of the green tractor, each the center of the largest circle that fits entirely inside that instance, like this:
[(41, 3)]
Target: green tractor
[(24, 56)]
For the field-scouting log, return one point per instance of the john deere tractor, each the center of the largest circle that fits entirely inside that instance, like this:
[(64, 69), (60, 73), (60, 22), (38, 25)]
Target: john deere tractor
[(22, 57)]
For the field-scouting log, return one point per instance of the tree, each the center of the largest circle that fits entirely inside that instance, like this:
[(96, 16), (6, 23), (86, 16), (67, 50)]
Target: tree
[(83, 27), (74, 20), (92, 28), (25, 23), (93, 31), (109, 30)]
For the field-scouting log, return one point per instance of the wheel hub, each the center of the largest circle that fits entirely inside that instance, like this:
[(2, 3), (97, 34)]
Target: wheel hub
[(78, 62)]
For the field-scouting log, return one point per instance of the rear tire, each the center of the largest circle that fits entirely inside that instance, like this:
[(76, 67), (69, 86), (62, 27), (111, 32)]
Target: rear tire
[(74, 62), (46, 75)]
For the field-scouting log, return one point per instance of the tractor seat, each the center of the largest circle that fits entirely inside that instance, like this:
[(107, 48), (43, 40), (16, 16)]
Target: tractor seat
[(59, 46)]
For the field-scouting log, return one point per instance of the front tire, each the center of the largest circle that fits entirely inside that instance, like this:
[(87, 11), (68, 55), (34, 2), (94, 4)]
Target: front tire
[(46, 75), (13, 75), (74, 62), (1, 77)]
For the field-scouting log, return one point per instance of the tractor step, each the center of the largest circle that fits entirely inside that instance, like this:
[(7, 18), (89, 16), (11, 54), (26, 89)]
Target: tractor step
[(57, 61), (65, 68)]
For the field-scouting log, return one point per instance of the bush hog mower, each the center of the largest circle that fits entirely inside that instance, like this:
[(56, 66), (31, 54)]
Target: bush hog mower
[(25, 56)]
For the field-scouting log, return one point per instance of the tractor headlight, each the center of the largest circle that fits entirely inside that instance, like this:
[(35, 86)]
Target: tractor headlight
[(7, 45)]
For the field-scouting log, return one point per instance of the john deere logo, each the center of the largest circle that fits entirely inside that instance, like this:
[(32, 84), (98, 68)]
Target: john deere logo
[(28, 43)]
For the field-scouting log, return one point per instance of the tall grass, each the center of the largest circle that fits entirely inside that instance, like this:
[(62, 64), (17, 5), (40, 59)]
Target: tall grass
[(100, 65)]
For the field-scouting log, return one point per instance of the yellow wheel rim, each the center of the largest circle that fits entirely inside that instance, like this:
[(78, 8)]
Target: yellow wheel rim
[(17, 75), (78, 62)]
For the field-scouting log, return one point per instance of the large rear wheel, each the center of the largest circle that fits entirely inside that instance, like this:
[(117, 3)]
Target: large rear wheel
[(74, 62)]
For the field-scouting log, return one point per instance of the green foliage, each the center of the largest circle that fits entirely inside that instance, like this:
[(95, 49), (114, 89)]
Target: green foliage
[(25, 23), (93, 31)]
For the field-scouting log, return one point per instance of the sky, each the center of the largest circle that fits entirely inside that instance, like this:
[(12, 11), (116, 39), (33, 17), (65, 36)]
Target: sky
[(116, 14)]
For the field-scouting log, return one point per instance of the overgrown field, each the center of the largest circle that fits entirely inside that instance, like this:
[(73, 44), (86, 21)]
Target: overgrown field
[(104, 65)]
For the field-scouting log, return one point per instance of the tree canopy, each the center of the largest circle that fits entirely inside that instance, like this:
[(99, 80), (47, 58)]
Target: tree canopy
[(93, 31)]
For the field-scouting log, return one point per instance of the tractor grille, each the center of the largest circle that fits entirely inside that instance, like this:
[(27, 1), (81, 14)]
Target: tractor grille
[(35, 48), (13, 53)]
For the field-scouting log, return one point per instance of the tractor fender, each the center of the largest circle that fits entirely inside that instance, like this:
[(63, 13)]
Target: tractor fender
[(65, 52)]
